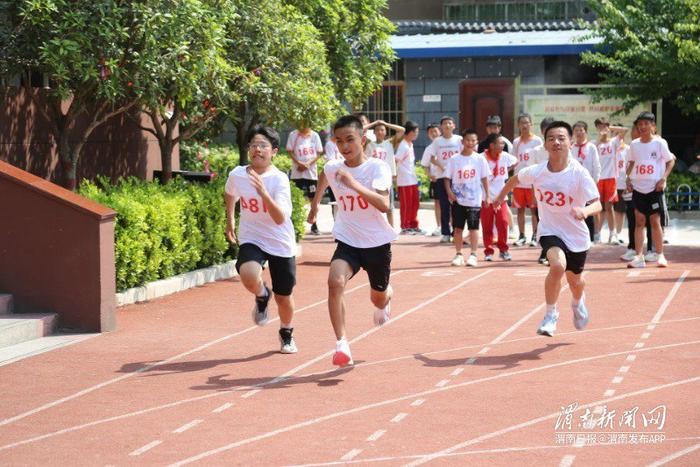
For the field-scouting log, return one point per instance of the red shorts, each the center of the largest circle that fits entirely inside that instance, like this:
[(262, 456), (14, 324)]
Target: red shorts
[(607, 188), (524, 198)]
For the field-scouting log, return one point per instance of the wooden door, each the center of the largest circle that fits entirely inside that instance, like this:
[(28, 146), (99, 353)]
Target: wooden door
[(480, 98)]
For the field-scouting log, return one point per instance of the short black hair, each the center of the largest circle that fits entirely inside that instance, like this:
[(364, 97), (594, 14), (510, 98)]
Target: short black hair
[(470, 131), (380, 124), (349, 121), (601, 121), (646, 115), (491, 138), (559, 124), (546, 121), (431, 126), (268, 133), (525, 115), (410, 126), (361, 114), (446, 117), (582, 124)]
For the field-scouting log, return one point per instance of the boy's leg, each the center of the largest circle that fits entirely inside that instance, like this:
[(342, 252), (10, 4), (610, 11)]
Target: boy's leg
[(283, 274), (521, 221), (576, 284), (251, 277), (650, 233), (457, 237), (474, 240), (640, 226), (487, 228), (502, 228), (552, 283), (414, 205), (403, 207), (445, 208), (339, 274), (657, 233), (381, 299), (535, 220)]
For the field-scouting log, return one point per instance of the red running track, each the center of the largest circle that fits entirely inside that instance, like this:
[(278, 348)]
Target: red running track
[(457, 377)]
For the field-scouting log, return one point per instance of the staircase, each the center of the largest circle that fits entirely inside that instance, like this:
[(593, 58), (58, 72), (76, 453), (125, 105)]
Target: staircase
[(21, 331)]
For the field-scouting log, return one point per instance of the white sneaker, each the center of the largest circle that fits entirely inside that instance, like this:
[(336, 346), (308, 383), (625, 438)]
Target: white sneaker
[(661, 261), (445, 239), (342, 356), (436, 233), (471, 261), (651, 257), (612, 239), (259, 312), (287, 344), (580, 313), (488, 258), (637, 262), (548, 325), (458, 260), (533, 242), (629, 255), (382, 315), (596, 238), (520, 241)]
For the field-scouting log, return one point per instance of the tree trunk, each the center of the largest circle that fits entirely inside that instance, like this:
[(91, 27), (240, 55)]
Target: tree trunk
[(166, 160), (68, 161)]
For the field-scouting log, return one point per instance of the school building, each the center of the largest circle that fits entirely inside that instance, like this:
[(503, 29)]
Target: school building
[(473, 58)]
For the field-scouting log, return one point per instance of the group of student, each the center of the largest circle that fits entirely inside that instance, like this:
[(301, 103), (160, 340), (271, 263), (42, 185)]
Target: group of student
[(564, 180)]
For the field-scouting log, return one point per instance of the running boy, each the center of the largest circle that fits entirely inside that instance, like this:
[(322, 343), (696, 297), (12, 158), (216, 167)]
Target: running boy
[(586, 153), (265, 231), (650, 163), (304, 147), (566, 194), (407, 182), (361, 186), (610, 140), (523, 196), (465, 176)]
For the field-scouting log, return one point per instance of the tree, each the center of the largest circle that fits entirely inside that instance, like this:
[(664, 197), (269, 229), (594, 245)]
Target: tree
[(193, 82), (650, 50), (283, 51), (356, 36), (82, 49)]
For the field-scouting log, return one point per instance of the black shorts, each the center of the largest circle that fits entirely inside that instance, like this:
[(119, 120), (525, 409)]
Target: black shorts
[(376, 261), (574, 261), (620, 205), (307, 186), (648, 203), (432, 193), (463, 214), (283, 271)]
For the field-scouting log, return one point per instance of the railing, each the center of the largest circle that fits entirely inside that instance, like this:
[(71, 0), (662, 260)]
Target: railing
[(683, 199)]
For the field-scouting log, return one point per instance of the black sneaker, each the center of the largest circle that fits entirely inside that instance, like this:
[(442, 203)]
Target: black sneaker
[(314, 230), (287, 344), (260, 309)]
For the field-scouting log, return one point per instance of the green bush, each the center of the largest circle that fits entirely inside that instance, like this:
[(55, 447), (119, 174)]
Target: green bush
[(423, 183)]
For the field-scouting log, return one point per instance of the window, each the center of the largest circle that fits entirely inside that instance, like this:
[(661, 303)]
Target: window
[(518, 10), (388, 102)]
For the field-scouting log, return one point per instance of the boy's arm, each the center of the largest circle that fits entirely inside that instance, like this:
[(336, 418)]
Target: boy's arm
[(485, 184), (620, 131), (320, 190), (510, 184), (230, 219), (378, 199), (448, 188)]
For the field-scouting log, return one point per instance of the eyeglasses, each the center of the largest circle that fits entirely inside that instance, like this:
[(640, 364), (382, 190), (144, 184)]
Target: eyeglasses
[(261, 146)]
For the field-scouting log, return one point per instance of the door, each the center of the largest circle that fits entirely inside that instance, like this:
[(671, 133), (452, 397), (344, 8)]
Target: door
[(480, 98)]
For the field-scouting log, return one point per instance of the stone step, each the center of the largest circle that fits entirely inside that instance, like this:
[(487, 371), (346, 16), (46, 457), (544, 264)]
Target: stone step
[(5, 303), (18, 328)]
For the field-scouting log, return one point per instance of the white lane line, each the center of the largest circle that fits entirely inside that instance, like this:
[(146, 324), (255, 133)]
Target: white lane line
[(376, 435), (651, 327), (351, 455), (187, 426), (383, 403), (675, 456), (634, 274), (470, 361), (609, 393), (552, 416), (624, 369), (457, 372), (154, 365), (631, 357), (639, 345), (483, 351), (221, 408), (399, 417), (442, 383), (669, 297), (567, 461), (646, 335), (145, 448), (417, 402), (617, 379)]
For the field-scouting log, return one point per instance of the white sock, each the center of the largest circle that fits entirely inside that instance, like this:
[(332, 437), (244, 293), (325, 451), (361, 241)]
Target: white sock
[(551, 309), (341, 341), (263, 291), (285, 326)]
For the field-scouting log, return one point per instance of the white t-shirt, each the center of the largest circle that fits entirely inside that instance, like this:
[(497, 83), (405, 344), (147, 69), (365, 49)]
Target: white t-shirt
[(523, 151), (405, 165), (383, 151), (498, 175), (649, 163), (331, 152), (443, 149), (255, 225), (539, 154), (587, 155), (466, 173), (557, 193), (305, 149), (622, 158), (608, 153), (425, 162), (357, 222)]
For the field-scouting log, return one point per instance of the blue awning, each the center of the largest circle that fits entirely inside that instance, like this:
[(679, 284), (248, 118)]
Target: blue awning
[(493, 44)]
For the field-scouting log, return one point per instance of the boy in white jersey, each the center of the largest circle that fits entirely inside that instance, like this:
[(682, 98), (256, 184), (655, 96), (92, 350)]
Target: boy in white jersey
[(433, 131), (608, 145), (361, 186), (523, 196), (466, 181), (265, 231), (407, 182), (499, 163), (620, 206), (650, 163), (566, 195), (383, 149), (441, 151), (587, 154), (305, 148)]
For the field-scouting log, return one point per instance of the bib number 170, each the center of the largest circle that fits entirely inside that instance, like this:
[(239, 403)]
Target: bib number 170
[(349, 202)]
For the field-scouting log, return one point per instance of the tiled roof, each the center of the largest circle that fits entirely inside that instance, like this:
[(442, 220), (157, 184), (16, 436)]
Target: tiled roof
[(405, 28)]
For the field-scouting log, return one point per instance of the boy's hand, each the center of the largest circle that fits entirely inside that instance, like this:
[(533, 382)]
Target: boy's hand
[(256, 181), (345, 177), (661, 184), (313, 211), (578, 213), (231, 232), (451, 196)]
